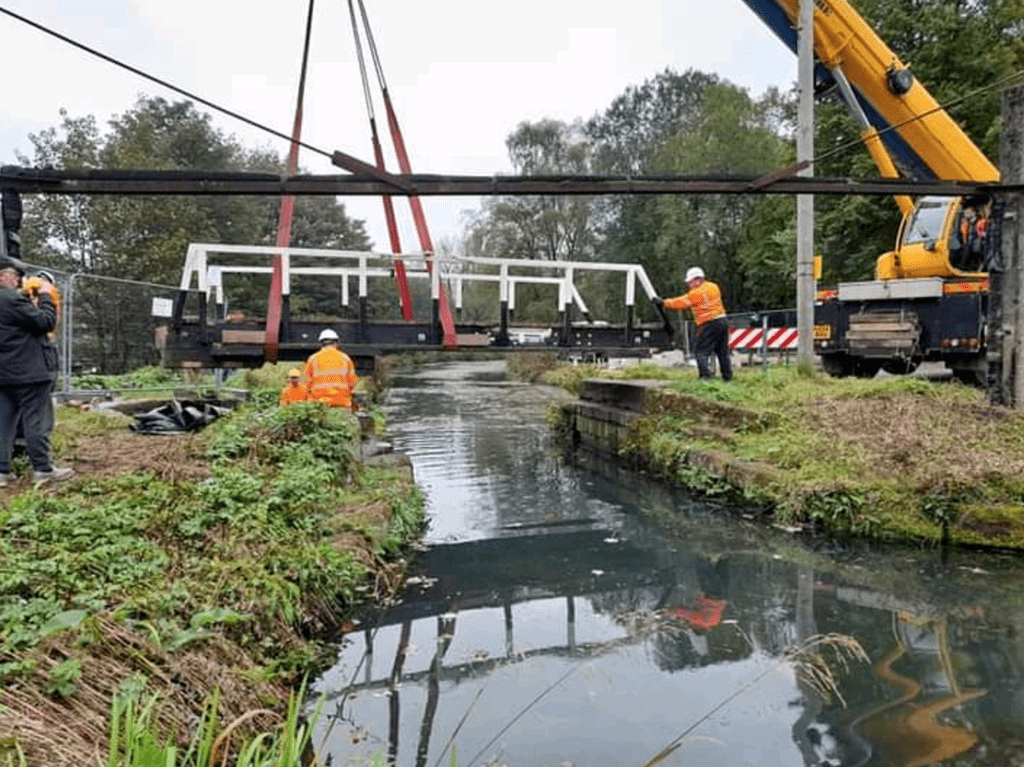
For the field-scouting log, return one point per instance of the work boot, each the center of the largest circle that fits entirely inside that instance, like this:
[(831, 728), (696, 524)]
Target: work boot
[(56, 474), (6, 479)]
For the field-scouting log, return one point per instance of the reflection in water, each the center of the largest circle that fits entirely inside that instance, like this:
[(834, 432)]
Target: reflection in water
[(565, 616), (907, 730)]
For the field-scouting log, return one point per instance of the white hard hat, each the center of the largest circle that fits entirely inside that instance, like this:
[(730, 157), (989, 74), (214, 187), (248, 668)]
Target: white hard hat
[(694, 273), (328, 335)]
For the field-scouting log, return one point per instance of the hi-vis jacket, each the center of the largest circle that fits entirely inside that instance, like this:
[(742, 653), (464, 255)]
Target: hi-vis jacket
[(293, 392), (705, 300), (331, 377)]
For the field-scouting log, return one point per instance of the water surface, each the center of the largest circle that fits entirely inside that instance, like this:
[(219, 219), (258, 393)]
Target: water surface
[(567, 612)]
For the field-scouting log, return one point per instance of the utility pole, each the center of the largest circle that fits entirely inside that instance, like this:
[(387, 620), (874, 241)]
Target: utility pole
[(805, 202), (1011, 171)]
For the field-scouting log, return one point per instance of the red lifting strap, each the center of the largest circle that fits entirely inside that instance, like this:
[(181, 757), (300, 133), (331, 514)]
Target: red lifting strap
[(284, 219), (451, 338)]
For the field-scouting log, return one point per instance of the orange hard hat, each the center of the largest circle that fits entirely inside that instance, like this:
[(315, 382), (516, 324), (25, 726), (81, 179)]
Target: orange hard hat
[(294, 373)]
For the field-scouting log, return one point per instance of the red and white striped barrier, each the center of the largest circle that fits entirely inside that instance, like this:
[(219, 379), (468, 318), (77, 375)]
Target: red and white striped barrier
[(750, 339)]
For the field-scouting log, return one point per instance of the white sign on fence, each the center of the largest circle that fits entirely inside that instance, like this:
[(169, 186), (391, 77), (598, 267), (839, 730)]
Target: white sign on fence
[(162, 307)]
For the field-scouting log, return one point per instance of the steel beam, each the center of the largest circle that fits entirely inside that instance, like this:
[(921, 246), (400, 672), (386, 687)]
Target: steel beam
[(142, 182)]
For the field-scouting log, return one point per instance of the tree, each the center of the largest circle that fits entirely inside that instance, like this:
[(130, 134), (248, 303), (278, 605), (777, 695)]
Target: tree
[(144, 239), (629, 138), (727, 137), (688, 124), (543, 227), (58, 229)]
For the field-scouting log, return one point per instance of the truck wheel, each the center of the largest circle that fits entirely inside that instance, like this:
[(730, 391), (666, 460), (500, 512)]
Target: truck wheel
[(837, 365), (900, 367), (866, 368), (970, 377)]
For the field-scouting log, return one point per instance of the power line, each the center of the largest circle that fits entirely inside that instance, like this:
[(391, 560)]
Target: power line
[(947, 107), (163, 83)]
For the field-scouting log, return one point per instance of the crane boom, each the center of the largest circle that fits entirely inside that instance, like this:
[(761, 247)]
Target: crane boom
[(924, 140)]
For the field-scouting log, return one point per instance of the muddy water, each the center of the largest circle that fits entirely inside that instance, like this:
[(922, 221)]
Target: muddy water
[(566, 613)]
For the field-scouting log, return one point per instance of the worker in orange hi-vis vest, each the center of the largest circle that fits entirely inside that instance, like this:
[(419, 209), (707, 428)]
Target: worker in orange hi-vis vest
[(295, 391), (330, 374), (705, 299)]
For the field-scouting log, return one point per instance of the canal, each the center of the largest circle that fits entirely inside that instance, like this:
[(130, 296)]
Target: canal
[(566, 612)]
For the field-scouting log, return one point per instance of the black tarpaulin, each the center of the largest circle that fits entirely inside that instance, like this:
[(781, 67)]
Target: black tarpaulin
[(177, 416)]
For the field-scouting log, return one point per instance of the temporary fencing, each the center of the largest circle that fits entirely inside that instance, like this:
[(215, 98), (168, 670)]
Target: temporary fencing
[(107, 324)]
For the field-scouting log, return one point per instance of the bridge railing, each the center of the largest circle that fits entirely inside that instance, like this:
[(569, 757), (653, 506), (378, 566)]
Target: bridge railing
[(209, 267)]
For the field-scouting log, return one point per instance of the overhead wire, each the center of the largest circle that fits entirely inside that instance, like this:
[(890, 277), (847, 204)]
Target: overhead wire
[(380, 76), (164, 83)]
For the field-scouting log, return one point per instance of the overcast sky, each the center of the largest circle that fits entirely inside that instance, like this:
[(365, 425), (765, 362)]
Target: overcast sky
[(462, 73)]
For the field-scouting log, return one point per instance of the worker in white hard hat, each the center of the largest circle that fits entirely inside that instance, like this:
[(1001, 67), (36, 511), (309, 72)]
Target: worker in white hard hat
[(704, 299), (294, 390), (330, 374)]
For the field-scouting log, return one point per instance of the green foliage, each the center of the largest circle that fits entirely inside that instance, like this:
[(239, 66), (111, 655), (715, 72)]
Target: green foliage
[(570, 377), (145, 239), (137, 739), (301, 433), (840, 510), (893, 457), (957, 51), (705, 482), (943, 504), (63, 678), (240, 553), (542, 227), (150, 377)]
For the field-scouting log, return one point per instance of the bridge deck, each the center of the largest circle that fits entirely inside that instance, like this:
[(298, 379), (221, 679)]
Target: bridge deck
[(233, 344)]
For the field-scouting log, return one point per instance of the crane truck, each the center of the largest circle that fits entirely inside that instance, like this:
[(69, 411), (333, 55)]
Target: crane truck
[(929, 296)]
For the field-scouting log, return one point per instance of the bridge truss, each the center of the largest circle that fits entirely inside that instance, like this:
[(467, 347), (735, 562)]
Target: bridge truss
[(201, 329)]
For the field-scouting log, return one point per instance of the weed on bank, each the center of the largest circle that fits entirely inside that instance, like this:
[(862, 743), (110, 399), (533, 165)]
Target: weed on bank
[(148, 587), (894, 458)]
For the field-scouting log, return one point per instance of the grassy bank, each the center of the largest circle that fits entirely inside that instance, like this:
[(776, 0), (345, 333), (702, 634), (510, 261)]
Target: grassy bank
[(895, 458), (174, 571)]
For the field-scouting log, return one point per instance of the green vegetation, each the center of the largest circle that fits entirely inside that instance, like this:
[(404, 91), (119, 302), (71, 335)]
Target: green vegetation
[(150, 377), (893, 458), (193, 571)]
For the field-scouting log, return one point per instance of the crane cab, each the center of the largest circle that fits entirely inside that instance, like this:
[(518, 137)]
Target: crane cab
[(941, 237)]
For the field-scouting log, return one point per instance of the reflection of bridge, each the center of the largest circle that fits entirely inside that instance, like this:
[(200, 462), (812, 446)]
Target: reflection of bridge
[(551, 563), (200, 329), (563, 564), (504, 571)]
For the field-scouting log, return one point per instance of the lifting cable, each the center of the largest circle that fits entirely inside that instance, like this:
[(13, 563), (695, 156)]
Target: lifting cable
[(284, 219), (404, 298), (444, 310), (163, 83)]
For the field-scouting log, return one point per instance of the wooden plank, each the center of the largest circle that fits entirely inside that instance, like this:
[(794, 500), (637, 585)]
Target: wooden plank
[(881, 336), (243, 336), (884, 344), (893, 327)]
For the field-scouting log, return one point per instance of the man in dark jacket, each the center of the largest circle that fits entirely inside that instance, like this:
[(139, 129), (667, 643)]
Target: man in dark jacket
[(25, 372)]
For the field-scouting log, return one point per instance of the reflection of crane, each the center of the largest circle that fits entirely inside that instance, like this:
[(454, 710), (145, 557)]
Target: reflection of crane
[(907, 730)]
